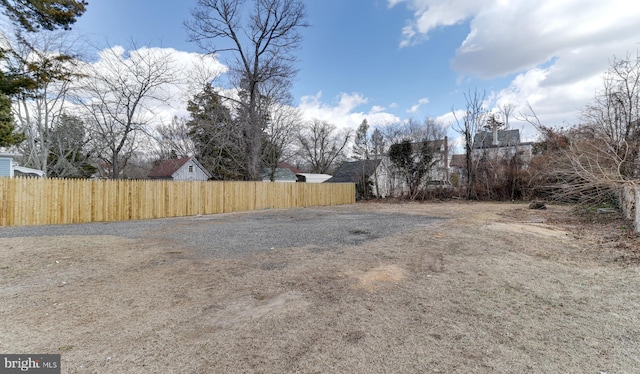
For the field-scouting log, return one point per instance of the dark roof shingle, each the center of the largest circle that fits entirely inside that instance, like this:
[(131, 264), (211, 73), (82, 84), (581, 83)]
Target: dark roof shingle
[(166, 168), (353, 171), (506, 138)]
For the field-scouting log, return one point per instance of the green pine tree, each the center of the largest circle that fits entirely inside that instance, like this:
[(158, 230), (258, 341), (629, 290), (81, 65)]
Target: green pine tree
[(8, 135)]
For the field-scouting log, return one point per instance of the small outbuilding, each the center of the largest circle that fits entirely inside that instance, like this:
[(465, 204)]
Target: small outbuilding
[(180, 169), (10, 168)]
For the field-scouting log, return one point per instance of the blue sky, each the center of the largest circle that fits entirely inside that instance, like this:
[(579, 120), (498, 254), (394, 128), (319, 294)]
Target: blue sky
[(390, 60)]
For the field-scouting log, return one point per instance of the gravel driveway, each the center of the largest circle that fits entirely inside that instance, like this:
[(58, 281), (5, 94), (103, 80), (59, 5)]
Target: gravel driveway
[(239, 234)]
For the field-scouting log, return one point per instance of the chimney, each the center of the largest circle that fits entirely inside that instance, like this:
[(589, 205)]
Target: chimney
[(494, 128)]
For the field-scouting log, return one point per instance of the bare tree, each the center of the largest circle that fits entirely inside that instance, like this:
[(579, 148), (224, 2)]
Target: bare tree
[(322, 145), (415, 132), (589, 162), (173, 139), (362, 142), (412, 130), (378, 143), (48, 62), (68, 157), (118, 98), (280, 132), (260, 45), (615, 116), (416, 156), (506, 111), (467, 125), (572, 164)]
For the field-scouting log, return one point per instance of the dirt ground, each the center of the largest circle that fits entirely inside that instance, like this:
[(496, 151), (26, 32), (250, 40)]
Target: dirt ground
[(490, 288)]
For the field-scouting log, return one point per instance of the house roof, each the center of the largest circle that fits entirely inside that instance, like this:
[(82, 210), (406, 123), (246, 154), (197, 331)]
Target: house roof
[(458, 161), (484, 139), (354, 171), (166, 168), (10, 154)]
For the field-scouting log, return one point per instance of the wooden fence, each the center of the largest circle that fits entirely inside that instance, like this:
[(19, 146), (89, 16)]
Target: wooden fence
[(26, 201)]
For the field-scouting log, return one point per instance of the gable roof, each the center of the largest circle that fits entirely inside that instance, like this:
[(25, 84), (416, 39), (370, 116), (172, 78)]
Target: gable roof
[(506, 138), (354, 171), (458, 161), (166, 168)]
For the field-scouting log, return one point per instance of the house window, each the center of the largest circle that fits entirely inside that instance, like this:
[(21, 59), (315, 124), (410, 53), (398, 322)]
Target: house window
[(190, 168)]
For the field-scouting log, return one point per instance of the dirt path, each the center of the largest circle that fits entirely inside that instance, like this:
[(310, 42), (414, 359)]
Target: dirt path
[(493, 288)]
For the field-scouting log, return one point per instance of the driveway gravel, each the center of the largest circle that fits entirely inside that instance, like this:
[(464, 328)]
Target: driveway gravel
[(239, 234)]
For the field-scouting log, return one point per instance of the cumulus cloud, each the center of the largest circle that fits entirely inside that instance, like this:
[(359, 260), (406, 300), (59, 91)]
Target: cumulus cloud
[(416, 107), (430, 14), (555, 50), (508, 36), (520, 35), (343, 113)]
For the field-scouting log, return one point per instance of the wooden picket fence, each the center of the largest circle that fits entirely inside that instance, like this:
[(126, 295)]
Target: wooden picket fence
[(27, 201)]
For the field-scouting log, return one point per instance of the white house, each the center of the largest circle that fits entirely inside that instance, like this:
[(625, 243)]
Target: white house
[(491, 148), (392, 182), (386, 179), (183, 169)]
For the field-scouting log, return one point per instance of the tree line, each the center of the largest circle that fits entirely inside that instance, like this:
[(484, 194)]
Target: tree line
[(72, 118)]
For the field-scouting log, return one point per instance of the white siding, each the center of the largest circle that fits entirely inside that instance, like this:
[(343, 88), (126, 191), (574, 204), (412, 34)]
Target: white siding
[(190, 171)]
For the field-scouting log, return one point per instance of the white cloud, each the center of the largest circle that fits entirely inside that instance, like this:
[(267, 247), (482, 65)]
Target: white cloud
[(344, 114), (416, 107), (523, 34), (556, 50), (430, 14), (510, 36), (450, 119)]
